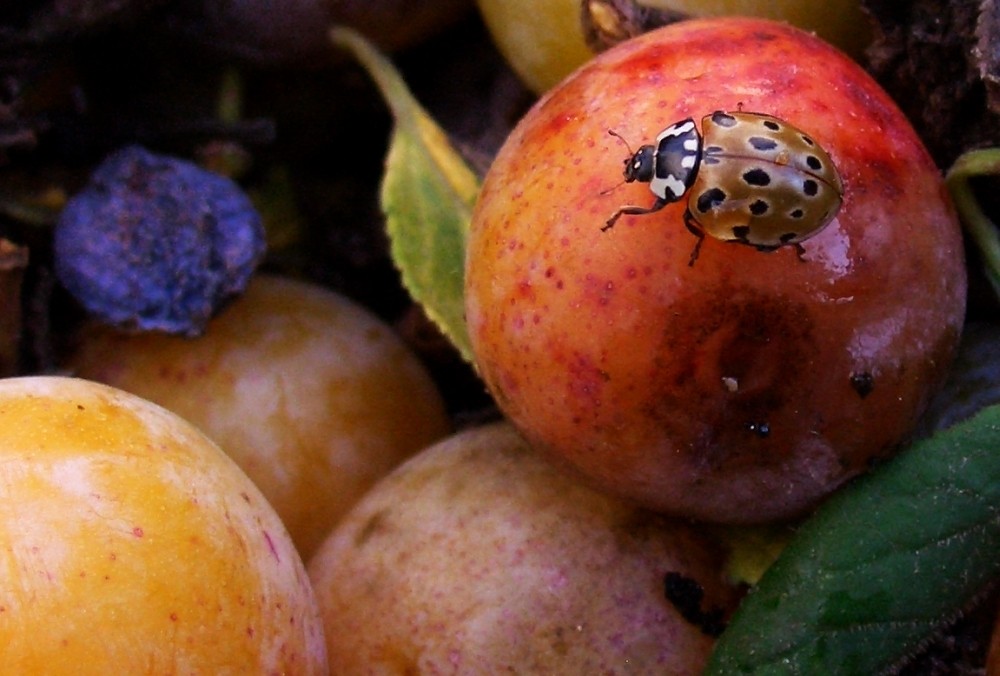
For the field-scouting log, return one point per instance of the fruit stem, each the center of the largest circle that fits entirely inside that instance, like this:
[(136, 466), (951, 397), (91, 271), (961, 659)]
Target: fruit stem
[(977, 223)]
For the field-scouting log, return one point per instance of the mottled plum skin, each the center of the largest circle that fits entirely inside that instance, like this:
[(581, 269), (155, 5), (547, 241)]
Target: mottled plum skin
[(749, 386), (477, 557)]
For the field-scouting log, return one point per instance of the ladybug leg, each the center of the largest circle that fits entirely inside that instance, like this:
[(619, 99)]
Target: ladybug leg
[(695, 230), (633, 211), (800, 252)]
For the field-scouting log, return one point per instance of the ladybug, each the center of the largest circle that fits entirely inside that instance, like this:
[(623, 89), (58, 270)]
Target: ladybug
[(750, 178)]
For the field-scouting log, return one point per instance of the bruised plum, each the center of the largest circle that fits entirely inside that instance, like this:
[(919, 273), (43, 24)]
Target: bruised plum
[(750, 385)]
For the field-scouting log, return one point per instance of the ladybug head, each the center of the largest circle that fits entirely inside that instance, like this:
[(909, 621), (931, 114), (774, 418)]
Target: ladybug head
[(638, 164), (639, 167)]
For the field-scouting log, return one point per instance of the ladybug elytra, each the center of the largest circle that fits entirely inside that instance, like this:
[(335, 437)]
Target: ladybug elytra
[(750, 178)]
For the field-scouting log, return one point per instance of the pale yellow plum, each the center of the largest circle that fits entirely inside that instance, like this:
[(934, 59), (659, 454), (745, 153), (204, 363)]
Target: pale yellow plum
[(840, 22), (130, 544), (313, 396), (544, 41), (479, 557)]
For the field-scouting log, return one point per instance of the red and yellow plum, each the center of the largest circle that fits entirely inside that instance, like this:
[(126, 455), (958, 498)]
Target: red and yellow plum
[(748, 386)]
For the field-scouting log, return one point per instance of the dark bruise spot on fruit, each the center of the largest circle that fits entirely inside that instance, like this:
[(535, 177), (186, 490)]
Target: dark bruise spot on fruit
[(757, 340), (863, 383), (376, 524), (688, 597)]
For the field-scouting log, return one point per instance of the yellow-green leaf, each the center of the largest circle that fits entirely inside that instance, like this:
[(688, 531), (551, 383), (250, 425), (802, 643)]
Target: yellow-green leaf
[(427, 195), (980, 227)]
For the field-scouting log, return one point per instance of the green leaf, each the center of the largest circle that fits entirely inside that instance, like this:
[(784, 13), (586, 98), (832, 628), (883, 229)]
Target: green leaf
[(977, 223), (427, 195), (879, 567)]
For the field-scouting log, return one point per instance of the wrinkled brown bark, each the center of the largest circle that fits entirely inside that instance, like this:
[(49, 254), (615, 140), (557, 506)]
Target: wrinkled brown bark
[(940, 60)]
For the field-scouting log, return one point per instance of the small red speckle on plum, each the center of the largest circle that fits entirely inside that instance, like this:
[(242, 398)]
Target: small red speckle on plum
[(270, 545)]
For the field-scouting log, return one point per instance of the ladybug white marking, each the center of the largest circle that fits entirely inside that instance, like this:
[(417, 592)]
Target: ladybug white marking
[(750, 178)]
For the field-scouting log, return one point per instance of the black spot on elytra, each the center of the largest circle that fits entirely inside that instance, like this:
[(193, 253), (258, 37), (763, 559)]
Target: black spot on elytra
[(813, 163), (723, 119), (762, 143), (759, 207), (709, 154), (741, 232), (810, 187), (808, 141), (787, 237), (796, 213), (772, 125), (757, 177), (710, 199)]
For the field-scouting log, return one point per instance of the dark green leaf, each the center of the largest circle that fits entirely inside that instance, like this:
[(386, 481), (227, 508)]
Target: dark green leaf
[(880, 566)]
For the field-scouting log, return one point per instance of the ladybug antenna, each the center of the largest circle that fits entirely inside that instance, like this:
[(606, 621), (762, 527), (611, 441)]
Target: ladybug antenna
[(622, 139), (627, 160), (608, 191)]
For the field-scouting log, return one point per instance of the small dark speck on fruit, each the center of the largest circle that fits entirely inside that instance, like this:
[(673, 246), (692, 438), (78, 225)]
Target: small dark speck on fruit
[(687, 596), (863, 383)]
